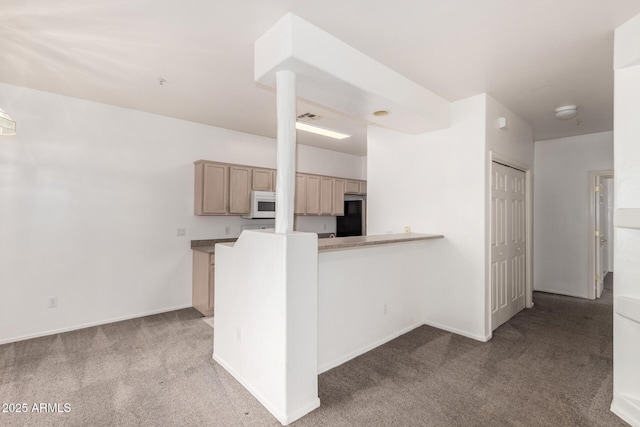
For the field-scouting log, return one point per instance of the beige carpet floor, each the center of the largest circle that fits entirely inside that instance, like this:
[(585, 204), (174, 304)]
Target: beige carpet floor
[(549, 366)]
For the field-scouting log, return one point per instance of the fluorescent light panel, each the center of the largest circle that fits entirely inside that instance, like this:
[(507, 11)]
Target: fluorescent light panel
[(7, 126), (321, 131)]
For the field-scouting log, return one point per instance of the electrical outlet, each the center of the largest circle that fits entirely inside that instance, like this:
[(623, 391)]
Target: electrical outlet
[(227, 229), (181, 232), (53, 302), (407, 229)]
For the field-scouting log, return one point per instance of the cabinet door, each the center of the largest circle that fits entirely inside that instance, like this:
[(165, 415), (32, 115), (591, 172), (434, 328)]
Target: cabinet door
[(202, 293), (215, 193), (338, 197), (261, 180), (352, 187), (326, 196), (300, 207), (239, 190), (363, 187), (313, 195)]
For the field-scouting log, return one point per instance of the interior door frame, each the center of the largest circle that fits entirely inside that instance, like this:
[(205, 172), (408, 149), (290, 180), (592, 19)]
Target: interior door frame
[(593, 176), (495, 157)]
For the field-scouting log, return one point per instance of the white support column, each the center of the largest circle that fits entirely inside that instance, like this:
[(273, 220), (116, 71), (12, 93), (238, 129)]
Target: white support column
[(286, 150)]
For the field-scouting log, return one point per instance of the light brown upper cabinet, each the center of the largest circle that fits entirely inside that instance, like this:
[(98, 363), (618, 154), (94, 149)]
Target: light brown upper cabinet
[(355, 187), (352, 187), (211, 188), (338, 197), (300, 200), (313, 195), (225, 189), (262, 179), (326, 195), (239, 190)]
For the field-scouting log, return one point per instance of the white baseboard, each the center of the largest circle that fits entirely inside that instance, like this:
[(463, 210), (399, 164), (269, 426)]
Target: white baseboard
[(91, 324), (459, 332), (627, 408), (339, 361), (567, 294), (283, 418)]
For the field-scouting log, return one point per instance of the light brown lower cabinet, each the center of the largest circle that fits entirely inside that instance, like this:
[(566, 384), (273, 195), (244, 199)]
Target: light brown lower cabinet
[(203, 282)]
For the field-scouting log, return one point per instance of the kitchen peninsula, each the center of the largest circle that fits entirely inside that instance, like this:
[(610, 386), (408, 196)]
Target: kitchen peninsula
[(204, 259), (335, 298)]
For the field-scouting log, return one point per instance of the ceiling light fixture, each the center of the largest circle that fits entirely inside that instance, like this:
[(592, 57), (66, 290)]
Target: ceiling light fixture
[(321, 131), (380, 113), (7, 125), (566, 112)]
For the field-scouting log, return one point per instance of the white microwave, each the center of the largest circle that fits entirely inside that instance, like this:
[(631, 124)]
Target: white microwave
[(263, 205)]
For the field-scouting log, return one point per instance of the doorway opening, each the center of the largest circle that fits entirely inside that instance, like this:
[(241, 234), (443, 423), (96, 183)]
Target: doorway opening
[(600, 232)]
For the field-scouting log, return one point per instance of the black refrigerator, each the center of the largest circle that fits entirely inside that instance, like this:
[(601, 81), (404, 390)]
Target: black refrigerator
[(353, 223)]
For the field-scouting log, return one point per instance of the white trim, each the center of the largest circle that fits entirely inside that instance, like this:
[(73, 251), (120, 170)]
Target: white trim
[(591, 229), (628, 308), (556, 292), (460, 332), (627, 218), (282, 418), (92, 324), (528, 171), (627, 408), (362, 350)]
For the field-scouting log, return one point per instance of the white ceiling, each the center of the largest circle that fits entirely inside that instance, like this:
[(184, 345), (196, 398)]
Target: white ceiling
[(531, 55)]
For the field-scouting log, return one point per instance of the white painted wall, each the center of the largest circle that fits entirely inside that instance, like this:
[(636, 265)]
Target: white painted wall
[(266, 298), (626, 332), (516, 141), (561, 210), (435, 183), (606, 216), (91, 196), (368, 296), (610, 228)]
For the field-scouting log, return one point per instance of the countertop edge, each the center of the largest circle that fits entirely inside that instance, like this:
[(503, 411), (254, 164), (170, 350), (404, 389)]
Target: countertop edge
[(382, 239), (337, 243)]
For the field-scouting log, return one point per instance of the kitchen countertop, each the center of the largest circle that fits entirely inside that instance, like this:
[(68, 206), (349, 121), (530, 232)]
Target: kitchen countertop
[(380, 239), (209, 246), (326, 244)]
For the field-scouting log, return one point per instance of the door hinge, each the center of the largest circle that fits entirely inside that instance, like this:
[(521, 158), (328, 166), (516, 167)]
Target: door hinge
[(597, 277), (597, 233), (597, 188)]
